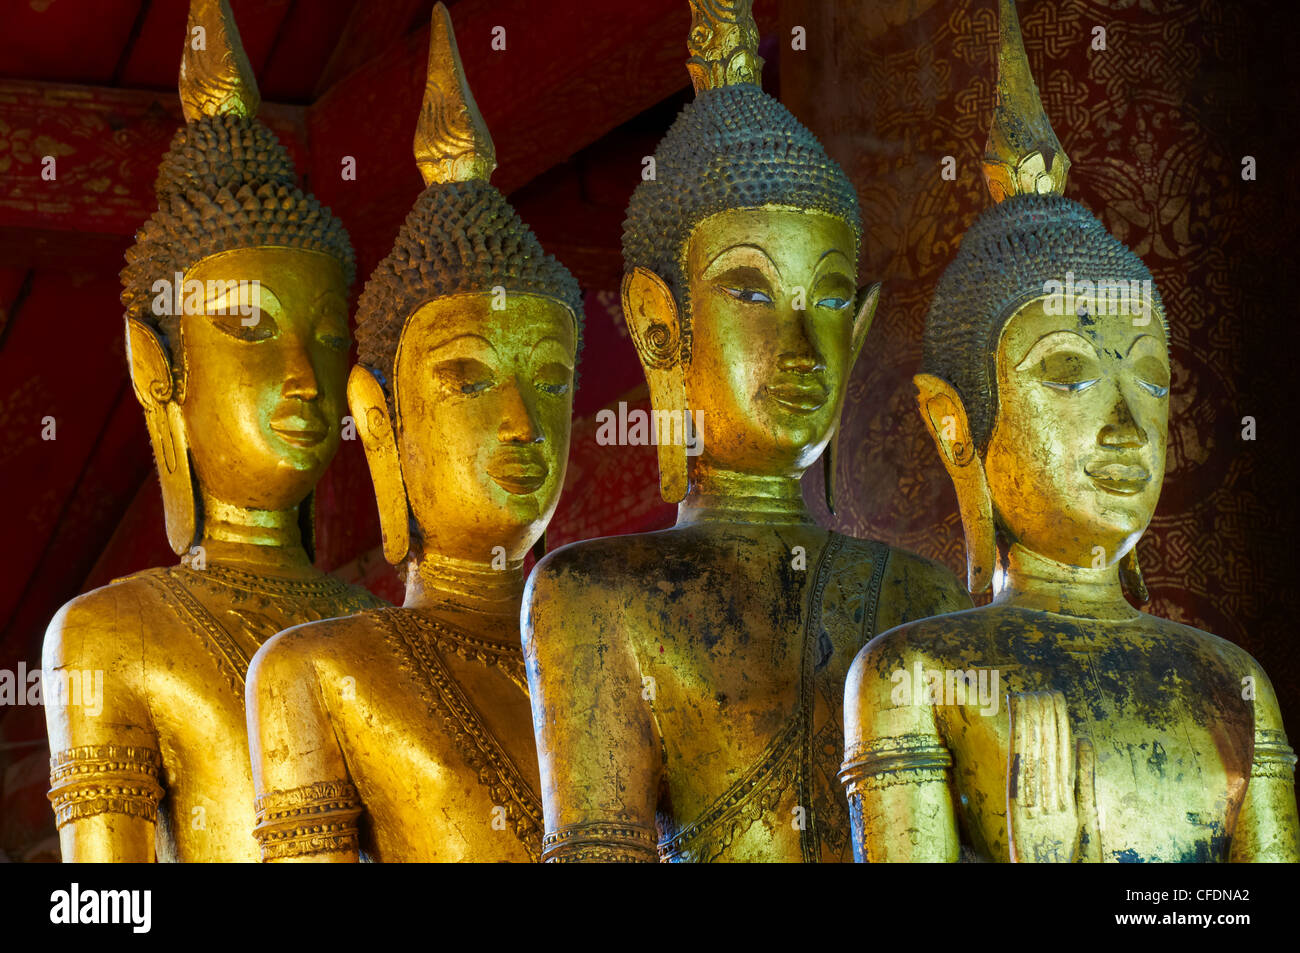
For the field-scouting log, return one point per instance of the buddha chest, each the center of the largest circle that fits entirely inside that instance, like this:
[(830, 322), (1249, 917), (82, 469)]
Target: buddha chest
[(438, 740), (202, 627), (742, 658), (1172, 736)]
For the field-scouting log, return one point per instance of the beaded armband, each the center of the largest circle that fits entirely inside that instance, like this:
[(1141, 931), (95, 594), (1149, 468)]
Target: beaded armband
[(610, 843), (315, 819), (901, 759), (105, 779), (1273, 756)]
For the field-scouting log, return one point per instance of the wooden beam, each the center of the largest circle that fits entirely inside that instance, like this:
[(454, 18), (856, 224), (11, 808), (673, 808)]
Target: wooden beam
[(372, 28), (570, 72), (568, 75), (106, 144)]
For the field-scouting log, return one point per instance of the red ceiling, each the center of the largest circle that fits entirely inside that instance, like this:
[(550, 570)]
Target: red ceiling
[(136, 43)]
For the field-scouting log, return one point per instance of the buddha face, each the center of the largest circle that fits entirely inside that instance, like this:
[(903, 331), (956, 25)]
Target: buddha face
[(484, 402), (1077, 454), (771, 315), (265, 392)]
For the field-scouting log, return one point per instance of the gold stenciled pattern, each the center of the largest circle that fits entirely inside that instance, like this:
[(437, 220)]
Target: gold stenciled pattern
[(1073, 469), (1143, 123)]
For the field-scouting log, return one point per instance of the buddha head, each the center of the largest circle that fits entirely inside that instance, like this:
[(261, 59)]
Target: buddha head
[(236, 303), (741, 250), (1046, 361), (468, 335)]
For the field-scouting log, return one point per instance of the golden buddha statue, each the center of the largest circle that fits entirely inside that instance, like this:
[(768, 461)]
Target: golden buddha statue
[(687, 684), (237, 334), (406, 734), (1123, 737)]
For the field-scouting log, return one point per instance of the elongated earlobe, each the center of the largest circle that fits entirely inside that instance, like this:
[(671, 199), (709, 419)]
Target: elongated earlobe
[(370, 412), (151, 379), (1130, 577), (944, 416), (653, 322), (307, 525), (829, 457)]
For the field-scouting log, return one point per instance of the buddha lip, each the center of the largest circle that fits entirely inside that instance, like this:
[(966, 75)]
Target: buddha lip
[(518, 477), (1124, 479), (802, 399), (304, 436)]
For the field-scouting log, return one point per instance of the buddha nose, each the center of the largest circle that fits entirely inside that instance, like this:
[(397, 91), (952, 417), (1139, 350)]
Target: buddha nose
[(518, 420), (300, 379), (800, 355), (1122, 430), (802, 361)]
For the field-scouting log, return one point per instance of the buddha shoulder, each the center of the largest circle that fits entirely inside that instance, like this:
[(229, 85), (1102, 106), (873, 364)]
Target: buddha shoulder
[(927, 642), (110, 627), (608, 564), (302, 649), (604, 578), (579, 597), (1183, 641)]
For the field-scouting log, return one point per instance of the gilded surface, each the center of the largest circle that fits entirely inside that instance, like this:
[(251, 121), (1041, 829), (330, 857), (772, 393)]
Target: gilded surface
[(172, 721), (241, 372), (1023, 155), (1058, 724), (1154, 126), (723, 44), (415, 721), (216, 77), (452, 143), (428, 723), (687, 684)]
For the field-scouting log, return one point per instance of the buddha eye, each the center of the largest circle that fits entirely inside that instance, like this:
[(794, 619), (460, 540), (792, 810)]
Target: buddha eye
[(834, 303), (464, 377), (553, 379), (332, 329), (1068, 371), (334, 339), (748, 295), (253, 327), (1152, 375), (1072, 387)]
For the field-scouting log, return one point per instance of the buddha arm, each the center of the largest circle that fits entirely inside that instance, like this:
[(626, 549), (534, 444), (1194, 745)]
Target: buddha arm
[(897, 772), (105, 760), (306, 805), (1267, 826), (597, 745)]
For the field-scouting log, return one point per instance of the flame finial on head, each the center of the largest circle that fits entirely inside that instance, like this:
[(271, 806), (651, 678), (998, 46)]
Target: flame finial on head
[(1022, 155), (723, 44), (216, 78), (452, 143)]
